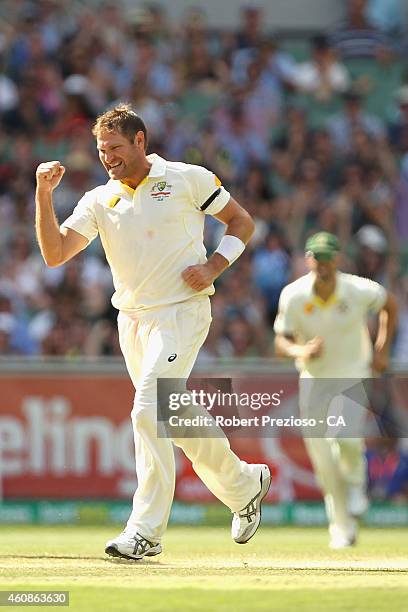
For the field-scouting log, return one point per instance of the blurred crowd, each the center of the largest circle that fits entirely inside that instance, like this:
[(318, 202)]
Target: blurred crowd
[(307, 133)]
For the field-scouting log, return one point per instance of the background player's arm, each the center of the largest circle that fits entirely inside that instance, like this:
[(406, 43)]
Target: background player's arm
[(239, 224), (57, 245), (286, 346), (387, 323)]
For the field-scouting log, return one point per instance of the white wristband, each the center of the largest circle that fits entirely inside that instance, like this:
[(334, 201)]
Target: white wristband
[(231, 248)]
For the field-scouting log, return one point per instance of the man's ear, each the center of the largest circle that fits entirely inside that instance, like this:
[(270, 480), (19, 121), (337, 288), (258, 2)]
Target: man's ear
[(139, 139)]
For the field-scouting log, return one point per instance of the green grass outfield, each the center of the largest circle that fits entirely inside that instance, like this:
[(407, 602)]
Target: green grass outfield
[(201, 569)]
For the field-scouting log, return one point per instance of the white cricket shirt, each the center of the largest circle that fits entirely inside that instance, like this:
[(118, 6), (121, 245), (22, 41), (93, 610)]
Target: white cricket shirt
[(151, 234), (341, 322)]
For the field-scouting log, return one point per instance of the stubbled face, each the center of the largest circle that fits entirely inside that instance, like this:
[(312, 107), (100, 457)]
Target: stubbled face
[(325, 270), (121, 158)]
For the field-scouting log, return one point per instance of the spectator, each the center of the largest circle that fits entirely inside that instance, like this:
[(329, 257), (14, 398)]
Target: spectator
[(251, 27), (308, 202), (329, 159), (399, 127), (324, 76), (271, 269), (371, 253), (364, 198), (239, 336), (342, 126), (262, 90), (241, 144), (252, 43), (282, 170), (356, 37)]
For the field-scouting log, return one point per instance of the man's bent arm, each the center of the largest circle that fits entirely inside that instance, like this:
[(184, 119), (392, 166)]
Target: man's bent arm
[(57, 245), (239, 224), (240, 228), (286, 346), (238, 221)]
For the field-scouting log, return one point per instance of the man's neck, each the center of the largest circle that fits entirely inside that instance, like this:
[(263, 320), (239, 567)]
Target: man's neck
[(135, 180), (324, 288)]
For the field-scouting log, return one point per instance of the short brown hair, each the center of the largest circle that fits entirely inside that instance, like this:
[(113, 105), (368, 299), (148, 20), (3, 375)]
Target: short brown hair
[(122, 119)]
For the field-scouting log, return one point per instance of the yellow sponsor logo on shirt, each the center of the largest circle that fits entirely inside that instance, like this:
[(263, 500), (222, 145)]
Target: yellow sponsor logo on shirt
[(217, 181)]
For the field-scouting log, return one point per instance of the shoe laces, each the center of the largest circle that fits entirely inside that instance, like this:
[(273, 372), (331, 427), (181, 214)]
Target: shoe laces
[(141, 544), (250, 509)]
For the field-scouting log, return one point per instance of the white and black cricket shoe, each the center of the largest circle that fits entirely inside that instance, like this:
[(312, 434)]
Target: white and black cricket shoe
[(132, 545), (357, 500), (340, 538), (246, 521)]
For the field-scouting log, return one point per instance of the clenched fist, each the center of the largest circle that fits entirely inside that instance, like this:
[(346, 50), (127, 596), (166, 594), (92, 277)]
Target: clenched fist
[(199, 277), (49, 175)]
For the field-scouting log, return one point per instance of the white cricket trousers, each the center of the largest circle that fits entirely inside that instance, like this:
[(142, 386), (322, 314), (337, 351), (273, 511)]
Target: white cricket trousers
[(338, 460), (147, 343)]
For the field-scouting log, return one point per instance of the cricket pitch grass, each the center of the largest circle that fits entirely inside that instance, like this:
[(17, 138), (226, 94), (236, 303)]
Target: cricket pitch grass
[(201, 569)]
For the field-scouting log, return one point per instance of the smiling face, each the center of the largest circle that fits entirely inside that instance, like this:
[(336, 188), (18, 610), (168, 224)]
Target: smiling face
[(123, 160)]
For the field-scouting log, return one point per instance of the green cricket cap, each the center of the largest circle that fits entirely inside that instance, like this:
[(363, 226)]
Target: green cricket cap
[(323, 244)]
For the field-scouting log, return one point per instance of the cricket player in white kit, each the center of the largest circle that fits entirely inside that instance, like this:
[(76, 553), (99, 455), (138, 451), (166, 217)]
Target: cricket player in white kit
[(150, 218), (322, 324)]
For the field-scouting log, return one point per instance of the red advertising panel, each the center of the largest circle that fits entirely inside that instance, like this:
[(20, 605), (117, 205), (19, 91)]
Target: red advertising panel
[(66, 437)]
